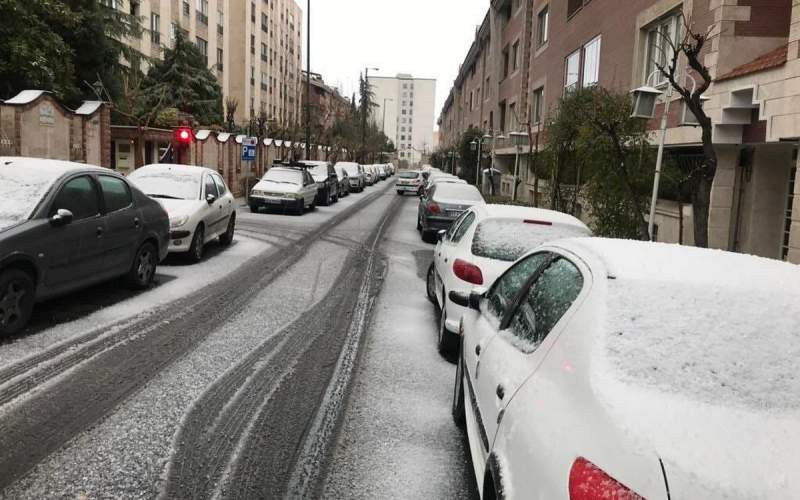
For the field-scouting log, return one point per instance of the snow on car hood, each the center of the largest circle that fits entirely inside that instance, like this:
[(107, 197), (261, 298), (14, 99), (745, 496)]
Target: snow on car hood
[(319, 177), (180, 208), (277, 187)]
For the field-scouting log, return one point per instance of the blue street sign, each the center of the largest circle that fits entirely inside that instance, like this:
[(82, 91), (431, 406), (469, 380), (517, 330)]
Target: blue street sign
[(249, 149)]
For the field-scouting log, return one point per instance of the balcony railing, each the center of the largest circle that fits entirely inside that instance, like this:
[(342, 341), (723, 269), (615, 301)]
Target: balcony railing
[(202, 18)]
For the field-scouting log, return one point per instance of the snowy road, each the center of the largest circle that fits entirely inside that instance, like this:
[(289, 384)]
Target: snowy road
[(229, 379)]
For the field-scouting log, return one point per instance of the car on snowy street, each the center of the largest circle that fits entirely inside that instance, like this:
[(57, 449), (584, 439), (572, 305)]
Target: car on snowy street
[(441, 205), (382, 173), (479, 246), (440, 179), (285, 187), (625, 369), (327, 181), (408, 181), (355, 175), (344, 183), (199, 204), (369, 175), (65, 226)]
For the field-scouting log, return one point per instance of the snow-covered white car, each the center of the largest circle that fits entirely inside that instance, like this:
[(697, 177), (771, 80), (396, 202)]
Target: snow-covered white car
[(284, 187), (408, 181), (597, 368), (355, 175), (344, 183), (479, 246), (199, 204)]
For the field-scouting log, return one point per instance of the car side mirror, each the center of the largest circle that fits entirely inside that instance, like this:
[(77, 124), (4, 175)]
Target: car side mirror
[(440, 234), (62, 217), (210, 199)]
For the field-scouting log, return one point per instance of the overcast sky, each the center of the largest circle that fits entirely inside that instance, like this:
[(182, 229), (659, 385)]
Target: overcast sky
[(427, 38)]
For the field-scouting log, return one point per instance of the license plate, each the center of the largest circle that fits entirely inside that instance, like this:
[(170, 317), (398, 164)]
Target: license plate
[(454, 213), (273, 201)]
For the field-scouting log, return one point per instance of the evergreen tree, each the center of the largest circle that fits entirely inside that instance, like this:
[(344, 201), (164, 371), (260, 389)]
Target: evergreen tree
[(187, 82)]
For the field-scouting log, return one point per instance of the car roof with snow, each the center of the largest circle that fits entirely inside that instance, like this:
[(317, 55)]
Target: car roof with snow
[(172, 168), (54, 168), (527, 213)]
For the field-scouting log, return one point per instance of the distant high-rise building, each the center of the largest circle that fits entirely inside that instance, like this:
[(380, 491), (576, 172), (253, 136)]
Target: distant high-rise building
[(405, 110)]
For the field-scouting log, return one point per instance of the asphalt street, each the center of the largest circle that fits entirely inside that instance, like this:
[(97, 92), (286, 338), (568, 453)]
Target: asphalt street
[(251, 375)]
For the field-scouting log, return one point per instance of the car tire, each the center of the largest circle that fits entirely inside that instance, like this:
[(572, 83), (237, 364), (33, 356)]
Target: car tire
[(430, 284), (419, 223), (300, 209), (17, 294), (197, 247), (227, 237), (457, 405), (428, 236), (143, 268), (400, 193), (446, 341), (325, 200), (254, 208)]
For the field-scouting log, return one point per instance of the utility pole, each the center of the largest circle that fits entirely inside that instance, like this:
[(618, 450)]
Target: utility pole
[(308, 83)]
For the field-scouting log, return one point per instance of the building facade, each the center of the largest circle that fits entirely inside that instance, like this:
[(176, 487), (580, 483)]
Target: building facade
[(405, 111), (253, 46), (528, 53), (327, 105)]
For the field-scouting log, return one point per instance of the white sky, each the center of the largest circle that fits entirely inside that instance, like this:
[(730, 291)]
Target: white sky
[(427, 38)]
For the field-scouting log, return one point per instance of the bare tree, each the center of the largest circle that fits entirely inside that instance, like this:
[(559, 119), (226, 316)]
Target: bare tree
[(231, 105), (140, 105), (700, 177)]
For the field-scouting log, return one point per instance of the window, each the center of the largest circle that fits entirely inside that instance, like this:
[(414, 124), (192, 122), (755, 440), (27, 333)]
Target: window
[(116, 194), (463, 227), (573, 6), (515, 56), (220, 59), (252, 44), (550, 296), (264, 23), (210, 187), (538, 105), (659, 37), (505, 62), (220, 22), (591, 62), (202, 11), (79, 196), (155, 28), (186, 7), (543, 27), (572, 70), (220, 185), (502, 294), (173, 31), (264, 52), (203, 46)]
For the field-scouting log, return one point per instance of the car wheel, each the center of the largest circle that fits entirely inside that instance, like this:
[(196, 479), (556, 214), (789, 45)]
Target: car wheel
[(446, 339), (428, 236), (457, 406), (400, 193), (197, 247), (430, 283), (254, 208), (419, 223), (16, 300), (227, 238), (143, 268), (301, 207)]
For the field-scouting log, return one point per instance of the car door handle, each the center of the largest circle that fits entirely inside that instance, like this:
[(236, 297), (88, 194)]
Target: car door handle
[(136, 222), (478, 350), (501, 391), (99, 232)]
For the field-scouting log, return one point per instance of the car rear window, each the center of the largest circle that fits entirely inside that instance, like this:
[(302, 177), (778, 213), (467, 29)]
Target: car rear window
[(508, 239), (461, 192), (409, 175)]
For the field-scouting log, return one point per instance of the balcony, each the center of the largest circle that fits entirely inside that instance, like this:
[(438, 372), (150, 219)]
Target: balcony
[(220, 30), (202, 18)]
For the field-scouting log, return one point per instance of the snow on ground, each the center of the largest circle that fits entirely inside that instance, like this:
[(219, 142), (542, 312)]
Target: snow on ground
[(175, 278), (124, 456), (397, 438)]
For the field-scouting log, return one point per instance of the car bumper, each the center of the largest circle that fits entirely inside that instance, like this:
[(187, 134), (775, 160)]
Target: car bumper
[(437, 223), (272, 202), (180, 240), (406, 188)]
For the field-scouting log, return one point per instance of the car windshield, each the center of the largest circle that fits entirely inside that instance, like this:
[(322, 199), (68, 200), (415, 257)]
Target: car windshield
[(408, 175), (508, 239), (319, 170), (170, 184), (20, 191), (461, 192), (282, 176)]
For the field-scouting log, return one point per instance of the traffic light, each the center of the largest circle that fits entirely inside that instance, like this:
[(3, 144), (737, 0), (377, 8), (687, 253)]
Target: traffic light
[(182, 138), (183, 135)]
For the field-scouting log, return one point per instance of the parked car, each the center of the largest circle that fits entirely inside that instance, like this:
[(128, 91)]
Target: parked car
[(389, 169), (355, 175), (479, 246), (285, 187), (408, 181), (65, 226), (649, 370), (441, 205), (327, 181), (369, 175), (440, 179), (344, 182), (382, 174), (199, 204)]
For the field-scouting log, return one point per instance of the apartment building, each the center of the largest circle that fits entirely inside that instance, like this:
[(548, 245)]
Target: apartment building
[(754, 58), (253, 46), (327, 104), (405, 111)]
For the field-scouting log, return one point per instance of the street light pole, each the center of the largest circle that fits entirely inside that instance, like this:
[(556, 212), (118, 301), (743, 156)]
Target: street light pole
[(308, 83), (478, 166), (659, 159)]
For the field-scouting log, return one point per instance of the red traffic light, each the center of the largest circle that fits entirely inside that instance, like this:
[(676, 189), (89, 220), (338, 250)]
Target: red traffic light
[(183, 135)]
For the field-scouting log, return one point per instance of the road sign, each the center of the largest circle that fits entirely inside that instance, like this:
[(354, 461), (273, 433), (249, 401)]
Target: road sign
[(249, 148)]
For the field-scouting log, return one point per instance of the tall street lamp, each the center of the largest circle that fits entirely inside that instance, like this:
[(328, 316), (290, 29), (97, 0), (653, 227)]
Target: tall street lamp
[(519, 139), (308, 81), (645, 100), (478, 144)]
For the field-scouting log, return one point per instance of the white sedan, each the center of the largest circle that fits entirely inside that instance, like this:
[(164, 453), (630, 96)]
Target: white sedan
[(598, 368), (286, 188), (479, 246), (199, 204)]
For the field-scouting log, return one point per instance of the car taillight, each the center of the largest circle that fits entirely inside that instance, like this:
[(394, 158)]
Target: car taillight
[(588, 482), (433, 208), (468, 272)]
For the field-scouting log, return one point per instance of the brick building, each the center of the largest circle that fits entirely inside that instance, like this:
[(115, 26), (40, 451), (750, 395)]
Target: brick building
[(327, 104), (527, 53)]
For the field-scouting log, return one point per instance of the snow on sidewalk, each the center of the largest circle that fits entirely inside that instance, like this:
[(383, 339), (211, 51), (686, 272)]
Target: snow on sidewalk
[(397, 438)]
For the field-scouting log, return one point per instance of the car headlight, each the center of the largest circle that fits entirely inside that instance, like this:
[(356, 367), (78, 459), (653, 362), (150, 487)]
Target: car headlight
[(256, 192), (178, 221)]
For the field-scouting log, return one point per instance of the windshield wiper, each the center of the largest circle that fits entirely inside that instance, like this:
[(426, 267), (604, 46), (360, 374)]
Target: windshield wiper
[(168, 197)]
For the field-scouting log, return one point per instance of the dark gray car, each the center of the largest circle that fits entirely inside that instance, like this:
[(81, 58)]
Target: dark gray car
[(65, 226), (441, 204)]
